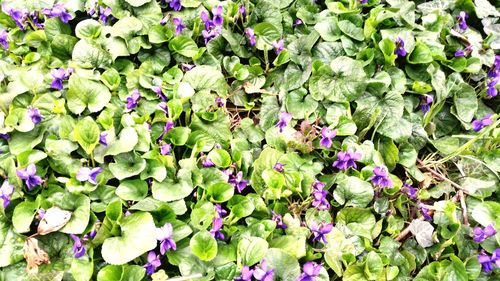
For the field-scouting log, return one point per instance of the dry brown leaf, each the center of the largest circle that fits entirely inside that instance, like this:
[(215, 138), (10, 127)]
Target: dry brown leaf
[(34, 255)]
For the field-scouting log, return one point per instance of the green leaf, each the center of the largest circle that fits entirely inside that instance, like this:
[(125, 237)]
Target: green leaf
[(357, 221), (159, 34), (465, 101), (266, 34), (89, 55), (251, 250), (86, 133), (84, 93), (354, 192), (485, 213), (127, 165), (220, 192), (178, 135), (121, 273), (183, 45), (137, 237), (11, 245), (421, 54), (285, 266), (351, 30), (300, 104), (206, 77), (220, 158), (328, 29), (343, 80), (134, 190), (19, 120), (203, 245), (126, 142), (374, 268), (88, 29), (137, 3), (111, 78), (23, 216)]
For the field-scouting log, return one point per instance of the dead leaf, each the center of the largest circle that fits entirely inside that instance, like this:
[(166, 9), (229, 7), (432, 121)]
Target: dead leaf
[(53, 220), (34, 255)]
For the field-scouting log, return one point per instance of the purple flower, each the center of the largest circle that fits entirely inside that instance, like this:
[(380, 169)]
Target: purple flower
[(186, 66), (242, 10), (159, 91), (400, 47), (319, 231), (206, 20), (459, 53), (461, 18), (18, 16), (297, 22), (479, 124), (78, 248), (133, 99), (482, 234), (4, 137), (363, 2), (153, 263), (237, 181), (425, 102), (319, 196), (327, 136), (6, 191), (217, 15), (278, 167), (496, 257), (346, 160), (176, 5), (3, 39), (58, 75), (285, 118), (279, 220), (178, 25), (102, 138), (251, 36), (164, 234), (410, 191), (219, 211), (165, 149), (104, 14), (58, 11), (381, 177), (87, 174), (279, 46), (246, 274), (164, 20), (485, 261), (34, 18), (29, 176), (35, 115), (220, 102), (207, 163), (426, 213), (209, 35), (216, 227), (168, 126), (262, 273), (310, 271)]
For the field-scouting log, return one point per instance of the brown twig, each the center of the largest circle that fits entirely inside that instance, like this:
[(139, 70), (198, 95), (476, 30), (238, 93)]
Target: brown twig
[(464, 206), (441, 177)]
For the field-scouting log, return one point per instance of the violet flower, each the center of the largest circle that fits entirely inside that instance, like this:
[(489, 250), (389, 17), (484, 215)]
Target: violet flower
[(278, 167), (164, 20), (4, 136), (78, 248), (319, 231), (217, 15), (159, 91), (35, 115), (485, 261), (219, 211), (178, 25), (6, 191), (279, 220), (279, 46), (479, 124), (310, 271), (206, 20), (400, 50), (346, 160), (327, 136), (410, 191), (153, 263), (319, 196), (58, 11), (246, 274), (29, 176), (220, 102), (87, 174), (216, 227), (381, 177), (102, 138), (237, 181), (36, 21), (104, 14), (3, 39), (242, 10), (176, 5), (165, 149), (297, 22), (168, 126), (207, 163), (133, 99), (363, 2), (459, 53), (425, 102), (164, 234), (461, 18), (262, 273), (482, 234), (58, 75), (285, 118), (426, 213), (251, 36), (18, 16)]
